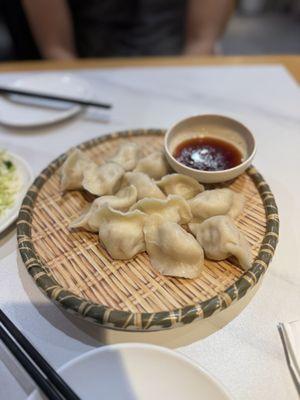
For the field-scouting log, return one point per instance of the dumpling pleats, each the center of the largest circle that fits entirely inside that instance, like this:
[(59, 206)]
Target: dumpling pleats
[(146, 187), (172, 250), (89, 219), (180, 184), (122, 233), (216, 202), (220, 239), (73, 168), (127, 156), (103, 179), (154, 165), (174, 208)]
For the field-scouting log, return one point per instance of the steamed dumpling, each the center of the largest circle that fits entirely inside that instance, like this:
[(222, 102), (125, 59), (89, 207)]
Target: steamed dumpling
[(154, 165), (73, 168), (126, 156), (174, 208), (216, 202), (220, 239), (172, 250), (103, 179), (89, 219), (121, 201), (180, 184), (237, 205), (122, 233), (146, 187)]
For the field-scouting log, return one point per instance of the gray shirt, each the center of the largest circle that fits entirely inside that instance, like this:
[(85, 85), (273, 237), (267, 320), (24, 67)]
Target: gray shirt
[(128, 27)]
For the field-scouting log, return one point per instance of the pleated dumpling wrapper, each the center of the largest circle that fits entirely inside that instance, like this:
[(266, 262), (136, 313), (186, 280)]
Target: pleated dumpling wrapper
[(220, 239), (73, 168), (216, 202), (154, 165), (122, 233), (127, 156), (173, 208), (146, 187), (121, 201), (181, 185), (172, 250), (104, 179)]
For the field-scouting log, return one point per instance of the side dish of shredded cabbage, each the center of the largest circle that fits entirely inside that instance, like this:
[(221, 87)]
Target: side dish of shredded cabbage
[(10, 182)]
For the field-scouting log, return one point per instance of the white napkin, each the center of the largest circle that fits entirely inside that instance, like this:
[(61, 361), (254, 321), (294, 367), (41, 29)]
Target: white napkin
[(290, 335)]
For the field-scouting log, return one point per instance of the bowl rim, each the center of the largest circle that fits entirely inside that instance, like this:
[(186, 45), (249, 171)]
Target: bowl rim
[(242, 166), (183, 358)]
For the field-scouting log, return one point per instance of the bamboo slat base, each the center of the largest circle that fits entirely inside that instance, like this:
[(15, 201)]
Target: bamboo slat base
[(78, 264)]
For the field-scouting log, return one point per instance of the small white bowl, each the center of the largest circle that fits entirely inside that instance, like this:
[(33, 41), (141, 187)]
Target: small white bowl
[(215, 126)]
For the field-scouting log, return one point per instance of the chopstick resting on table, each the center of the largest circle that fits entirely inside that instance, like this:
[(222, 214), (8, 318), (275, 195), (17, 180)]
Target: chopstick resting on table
[(48, 380), (64, 99), (290, 355)]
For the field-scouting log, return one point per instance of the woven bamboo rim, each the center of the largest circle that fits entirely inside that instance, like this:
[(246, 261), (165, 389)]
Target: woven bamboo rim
[(132, 315)]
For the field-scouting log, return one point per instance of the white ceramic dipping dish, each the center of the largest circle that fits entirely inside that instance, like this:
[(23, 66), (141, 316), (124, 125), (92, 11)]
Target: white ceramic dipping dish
[(215, 126)]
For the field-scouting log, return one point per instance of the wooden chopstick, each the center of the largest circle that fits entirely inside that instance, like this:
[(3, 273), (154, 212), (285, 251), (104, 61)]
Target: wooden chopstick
[(65, 99), (51, 384)]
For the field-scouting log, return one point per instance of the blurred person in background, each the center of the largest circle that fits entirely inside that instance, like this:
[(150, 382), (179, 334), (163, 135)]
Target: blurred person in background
[(66, 29)]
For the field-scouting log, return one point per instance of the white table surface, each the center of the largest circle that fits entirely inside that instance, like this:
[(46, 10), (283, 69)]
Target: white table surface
[(246, 355)]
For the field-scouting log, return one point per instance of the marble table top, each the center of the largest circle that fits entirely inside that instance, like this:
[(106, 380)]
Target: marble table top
[(246, 354)]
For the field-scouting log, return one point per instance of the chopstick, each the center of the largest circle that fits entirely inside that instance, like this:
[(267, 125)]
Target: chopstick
[(289, 355), (45, 377), (35, 374), (65, 99)]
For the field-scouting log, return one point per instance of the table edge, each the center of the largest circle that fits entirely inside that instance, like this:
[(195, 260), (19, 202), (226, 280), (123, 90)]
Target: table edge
[(290, 62)]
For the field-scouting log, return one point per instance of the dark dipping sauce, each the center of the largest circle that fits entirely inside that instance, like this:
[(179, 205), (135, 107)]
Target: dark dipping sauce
[(208, 154)]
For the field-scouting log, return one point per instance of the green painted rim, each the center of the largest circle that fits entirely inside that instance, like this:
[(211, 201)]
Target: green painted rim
[(125, 320)]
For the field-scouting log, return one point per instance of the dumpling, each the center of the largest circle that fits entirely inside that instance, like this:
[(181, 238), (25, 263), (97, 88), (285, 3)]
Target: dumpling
[(172, 250), (103, 179), (73, 168), (180, 184), (220, 239), (127, 156), (237, 205), (121, 201), (174, 208), (122, 233), (146, 187), (154, 165), (216, 202)]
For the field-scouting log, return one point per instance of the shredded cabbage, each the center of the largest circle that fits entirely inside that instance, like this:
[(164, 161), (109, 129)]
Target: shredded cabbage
[(10, 183)]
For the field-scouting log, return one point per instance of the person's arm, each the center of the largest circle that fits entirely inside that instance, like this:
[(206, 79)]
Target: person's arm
[(51, 25), (206, 21)]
